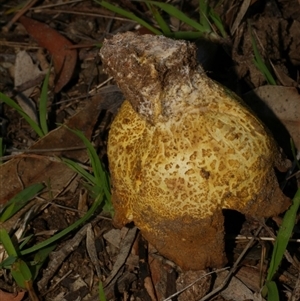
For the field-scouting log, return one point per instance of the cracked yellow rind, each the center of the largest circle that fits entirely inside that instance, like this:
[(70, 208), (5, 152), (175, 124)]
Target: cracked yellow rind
[(204, 157)]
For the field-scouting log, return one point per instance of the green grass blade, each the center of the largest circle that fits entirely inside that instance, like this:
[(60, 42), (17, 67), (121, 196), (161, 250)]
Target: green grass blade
[(64, 232), (173, 11), (159, 19), (81, 171), (203, 13), (273, 294), (218, 22), (21, 273), (102, 179), (15, 8), (259, 62), (14, 105), (95, 162), (7, 263), (186, 35), (39, 259), (19, 269), (283, 236), (93, 189), (7, 243), (128, 15), (43, 104), (19, 201), (101, 292), (25, 241), (99, 183)]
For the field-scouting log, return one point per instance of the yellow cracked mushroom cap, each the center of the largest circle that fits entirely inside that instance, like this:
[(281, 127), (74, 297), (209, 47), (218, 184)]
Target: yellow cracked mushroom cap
[(181, 149)]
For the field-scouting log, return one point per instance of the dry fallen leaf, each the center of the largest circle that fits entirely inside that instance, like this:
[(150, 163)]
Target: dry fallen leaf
[(236, 290), (64, 59), (278, 102), (4, 296), (25, 72)]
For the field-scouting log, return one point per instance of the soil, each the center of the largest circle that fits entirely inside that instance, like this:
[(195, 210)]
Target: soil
[(121, 259)]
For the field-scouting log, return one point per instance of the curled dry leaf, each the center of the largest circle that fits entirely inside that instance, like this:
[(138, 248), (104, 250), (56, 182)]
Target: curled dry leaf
[(278, 102), (4, 296), (64, 59), (27, 72)]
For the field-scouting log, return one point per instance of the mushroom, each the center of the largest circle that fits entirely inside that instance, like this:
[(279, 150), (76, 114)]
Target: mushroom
[(182, 148)]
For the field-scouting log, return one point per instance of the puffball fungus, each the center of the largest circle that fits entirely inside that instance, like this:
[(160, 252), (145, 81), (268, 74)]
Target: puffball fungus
[(181, 149)]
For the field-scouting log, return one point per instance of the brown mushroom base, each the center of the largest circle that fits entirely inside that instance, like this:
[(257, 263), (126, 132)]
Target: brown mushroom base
[(191, 243)]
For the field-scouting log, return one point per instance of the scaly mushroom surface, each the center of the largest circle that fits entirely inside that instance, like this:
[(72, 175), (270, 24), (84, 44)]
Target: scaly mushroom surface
[(181, 149)]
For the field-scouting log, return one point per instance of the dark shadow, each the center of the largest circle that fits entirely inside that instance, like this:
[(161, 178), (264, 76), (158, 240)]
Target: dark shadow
[(266, 115), (233, 225)]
